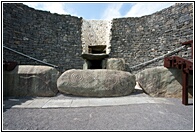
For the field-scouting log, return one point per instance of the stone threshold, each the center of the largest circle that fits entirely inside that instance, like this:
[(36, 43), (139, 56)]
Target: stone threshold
[(67, 102)]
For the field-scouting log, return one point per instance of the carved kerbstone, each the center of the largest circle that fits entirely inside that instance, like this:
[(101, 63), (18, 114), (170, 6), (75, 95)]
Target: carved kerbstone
[(162, 82), (29, 80), (96, 83), (116, 64)]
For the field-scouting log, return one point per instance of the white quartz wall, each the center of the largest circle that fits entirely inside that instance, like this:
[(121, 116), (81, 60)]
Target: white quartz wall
[(96, 32)]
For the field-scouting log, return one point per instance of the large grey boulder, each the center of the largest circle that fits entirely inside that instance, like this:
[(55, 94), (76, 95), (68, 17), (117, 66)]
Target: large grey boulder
[(29, 80), (115, 64), (161, 81), (97, 83)]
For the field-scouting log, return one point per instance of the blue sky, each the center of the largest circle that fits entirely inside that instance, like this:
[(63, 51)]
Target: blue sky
[(101, 10)]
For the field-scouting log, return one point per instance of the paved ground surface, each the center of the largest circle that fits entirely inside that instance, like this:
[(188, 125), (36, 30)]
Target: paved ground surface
[(135, 112), (62, 101)]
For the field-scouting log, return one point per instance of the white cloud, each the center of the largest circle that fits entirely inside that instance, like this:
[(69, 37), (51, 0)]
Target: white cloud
[(141, 9), (137, 9), (32, 4), (112, 11), (53, 7)]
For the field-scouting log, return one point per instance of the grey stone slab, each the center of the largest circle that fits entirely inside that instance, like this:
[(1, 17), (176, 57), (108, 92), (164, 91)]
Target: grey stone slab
[(94, 56), (102, 102), (96, 83), (63, 102), (80, 103), (130, 100), (30, 80), (58, 103), (37, 103)]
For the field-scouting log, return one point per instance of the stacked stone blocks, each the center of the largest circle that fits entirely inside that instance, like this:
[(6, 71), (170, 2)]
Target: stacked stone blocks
[(60, 39)]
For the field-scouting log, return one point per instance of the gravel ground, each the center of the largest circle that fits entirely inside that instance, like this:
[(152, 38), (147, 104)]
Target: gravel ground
[(148, 116)]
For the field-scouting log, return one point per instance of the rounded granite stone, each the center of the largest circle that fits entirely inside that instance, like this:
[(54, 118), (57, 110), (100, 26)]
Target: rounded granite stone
[(96, 83)]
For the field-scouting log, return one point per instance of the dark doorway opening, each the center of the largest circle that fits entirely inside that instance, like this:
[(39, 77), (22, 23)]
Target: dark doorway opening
[(95, 64)]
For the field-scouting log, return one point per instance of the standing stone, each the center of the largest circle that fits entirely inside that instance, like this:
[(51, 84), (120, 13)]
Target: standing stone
[(115, 64), (97, 82), (29, 80), (161, 81)]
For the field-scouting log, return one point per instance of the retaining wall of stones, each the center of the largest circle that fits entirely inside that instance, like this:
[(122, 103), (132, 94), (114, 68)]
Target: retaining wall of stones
[(139, 39), (57, 39), (48, 37)]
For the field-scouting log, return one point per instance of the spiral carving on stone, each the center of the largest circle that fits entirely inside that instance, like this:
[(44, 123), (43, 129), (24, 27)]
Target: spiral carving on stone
[(74, 78)]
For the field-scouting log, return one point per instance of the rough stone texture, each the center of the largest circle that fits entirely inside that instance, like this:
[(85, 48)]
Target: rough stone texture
[(115, 64), (96, 32), (44, 36), (29, 80), (139, 39), (161, 82), (98, 83), (94, 56), (48, 37)]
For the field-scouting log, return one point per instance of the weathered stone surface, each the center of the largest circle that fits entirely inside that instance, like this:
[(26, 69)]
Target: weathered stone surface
[(161, 82), (44, 35), (115, 64), (51, 37), (96, 33), (98, 83), (94, 56), (29, 80), (141, 39)]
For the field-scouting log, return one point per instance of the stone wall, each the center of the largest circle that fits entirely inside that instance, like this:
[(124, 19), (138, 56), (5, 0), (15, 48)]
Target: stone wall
[(144, 38), (48, 37), (58, 39), (96, 32)]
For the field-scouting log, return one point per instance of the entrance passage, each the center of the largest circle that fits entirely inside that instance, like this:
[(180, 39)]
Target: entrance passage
[(95, 64), (95, 58)]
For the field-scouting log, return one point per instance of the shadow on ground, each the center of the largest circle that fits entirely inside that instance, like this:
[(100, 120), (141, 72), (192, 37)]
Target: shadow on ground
[(9, 102)]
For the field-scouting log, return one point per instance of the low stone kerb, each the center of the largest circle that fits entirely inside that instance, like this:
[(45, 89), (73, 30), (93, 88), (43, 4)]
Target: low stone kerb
[(97, 83)]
